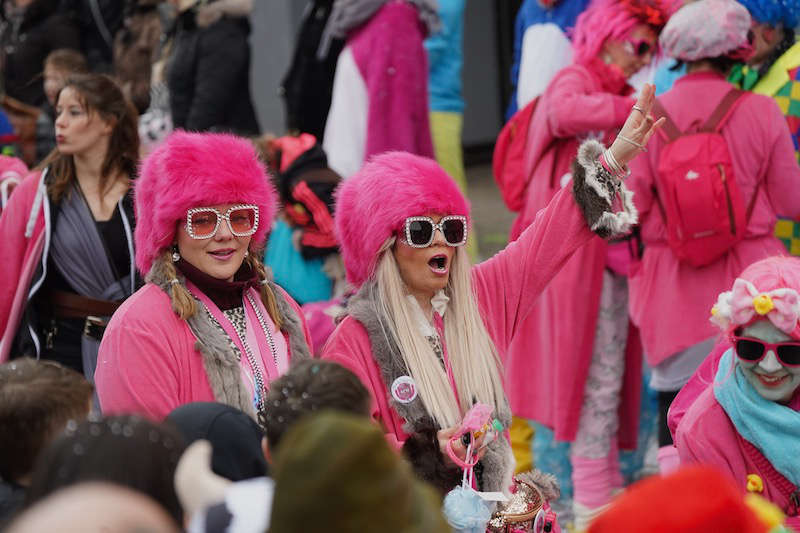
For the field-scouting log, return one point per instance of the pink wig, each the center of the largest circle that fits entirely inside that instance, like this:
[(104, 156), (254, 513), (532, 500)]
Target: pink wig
[(769, 276), (616, 19), (373, 205), (195, 170)]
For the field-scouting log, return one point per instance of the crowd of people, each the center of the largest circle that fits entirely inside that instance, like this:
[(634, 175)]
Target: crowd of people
[(205, 327)]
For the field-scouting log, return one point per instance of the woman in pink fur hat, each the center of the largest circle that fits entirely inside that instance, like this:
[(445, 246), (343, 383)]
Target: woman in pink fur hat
[(741, 411), (209, 325), (426, 332)]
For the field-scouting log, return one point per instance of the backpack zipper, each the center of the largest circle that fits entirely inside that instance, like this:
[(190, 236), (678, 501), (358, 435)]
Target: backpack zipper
[(724, 178)]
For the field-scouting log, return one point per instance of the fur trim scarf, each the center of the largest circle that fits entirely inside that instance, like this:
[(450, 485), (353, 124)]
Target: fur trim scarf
[(220, 360), (422, 446)]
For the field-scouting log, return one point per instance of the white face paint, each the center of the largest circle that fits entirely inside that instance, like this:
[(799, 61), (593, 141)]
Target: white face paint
[(771, 379)]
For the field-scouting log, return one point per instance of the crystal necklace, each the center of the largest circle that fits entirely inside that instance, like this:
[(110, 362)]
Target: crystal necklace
[(258, 377)]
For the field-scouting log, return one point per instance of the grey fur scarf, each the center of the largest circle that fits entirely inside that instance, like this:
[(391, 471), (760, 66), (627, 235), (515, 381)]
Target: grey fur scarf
[(498, 463), (219, 359)]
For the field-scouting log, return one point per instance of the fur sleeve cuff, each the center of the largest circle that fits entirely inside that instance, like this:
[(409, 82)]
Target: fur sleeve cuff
[(422, 451), (598, 193)]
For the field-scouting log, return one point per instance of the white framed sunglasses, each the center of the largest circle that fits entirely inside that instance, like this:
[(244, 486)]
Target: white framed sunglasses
[(203, 222), (419, 231)]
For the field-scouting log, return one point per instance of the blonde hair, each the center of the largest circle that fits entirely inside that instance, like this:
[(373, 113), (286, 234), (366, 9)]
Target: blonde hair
[(184, 304), (472, 354)]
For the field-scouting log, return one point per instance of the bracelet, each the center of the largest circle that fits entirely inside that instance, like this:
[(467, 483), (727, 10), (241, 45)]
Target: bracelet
[(617, 170), (641, 147)]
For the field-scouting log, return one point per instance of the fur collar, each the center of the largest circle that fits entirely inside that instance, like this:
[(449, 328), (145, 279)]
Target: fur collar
[(498, 463), (219, 359)]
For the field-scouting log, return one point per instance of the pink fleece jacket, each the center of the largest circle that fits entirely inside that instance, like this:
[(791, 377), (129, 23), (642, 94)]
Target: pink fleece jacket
[(670, 301), (706, 435), (548, 364), (506, 286), (21, 256), (148, 363)]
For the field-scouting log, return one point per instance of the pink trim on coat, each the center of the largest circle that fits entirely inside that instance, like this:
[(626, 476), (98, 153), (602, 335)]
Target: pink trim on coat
[(547, 367), (389, 53), (669, 300), (148, 363), (506, 286), (20, 258)]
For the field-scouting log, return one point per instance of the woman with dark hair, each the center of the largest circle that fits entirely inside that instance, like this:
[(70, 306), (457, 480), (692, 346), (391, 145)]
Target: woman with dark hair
[(68, 231), (126, 450)]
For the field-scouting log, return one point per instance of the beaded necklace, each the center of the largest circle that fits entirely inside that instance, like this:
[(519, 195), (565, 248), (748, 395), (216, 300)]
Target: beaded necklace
[(259, 387)]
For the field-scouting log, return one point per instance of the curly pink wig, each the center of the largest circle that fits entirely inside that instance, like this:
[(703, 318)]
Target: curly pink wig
[(372, 206), (616, 19), (195, 170)]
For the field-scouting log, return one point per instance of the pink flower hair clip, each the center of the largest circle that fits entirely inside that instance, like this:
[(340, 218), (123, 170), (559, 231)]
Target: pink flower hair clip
[(741, 305)]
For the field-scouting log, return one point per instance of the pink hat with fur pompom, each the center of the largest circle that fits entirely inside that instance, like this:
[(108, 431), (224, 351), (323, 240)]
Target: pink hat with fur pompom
[(196, 170), (372, 206)]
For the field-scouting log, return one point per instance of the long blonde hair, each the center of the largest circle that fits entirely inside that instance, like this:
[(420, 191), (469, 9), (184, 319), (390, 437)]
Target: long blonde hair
[(472, 354)]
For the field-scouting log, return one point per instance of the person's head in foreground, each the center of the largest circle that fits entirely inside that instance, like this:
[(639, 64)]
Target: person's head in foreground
[(235, 437), (37, 399), (126, 450), (95, 508), (308, 387), (336, 472), (694, 499)]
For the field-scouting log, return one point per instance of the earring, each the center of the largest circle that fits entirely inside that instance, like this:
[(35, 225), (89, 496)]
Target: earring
[(175, 255), (246, 253)]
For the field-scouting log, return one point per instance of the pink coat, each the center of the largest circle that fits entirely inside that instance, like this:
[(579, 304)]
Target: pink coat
[(506, 286), (21, 256), (669, 300), (380, 93), (547, 366), (148, 363), (706, 435)]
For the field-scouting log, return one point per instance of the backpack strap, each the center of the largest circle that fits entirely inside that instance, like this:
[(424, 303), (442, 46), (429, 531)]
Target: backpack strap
[(723, 111), (669, 130)]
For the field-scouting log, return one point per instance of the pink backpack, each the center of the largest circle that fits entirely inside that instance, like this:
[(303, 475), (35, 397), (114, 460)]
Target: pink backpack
[(508, 159), (700, 201)]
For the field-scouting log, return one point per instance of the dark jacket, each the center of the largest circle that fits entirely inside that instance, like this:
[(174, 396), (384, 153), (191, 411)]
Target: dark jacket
[(308, 86), (26, 41), (209, 76), (99, 21)]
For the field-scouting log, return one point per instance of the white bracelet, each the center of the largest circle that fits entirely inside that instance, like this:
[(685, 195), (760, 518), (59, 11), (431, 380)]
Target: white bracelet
[(618, 170)]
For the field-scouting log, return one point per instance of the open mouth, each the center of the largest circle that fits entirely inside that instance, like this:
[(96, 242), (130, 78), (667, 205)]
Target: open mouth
[(438, 264)]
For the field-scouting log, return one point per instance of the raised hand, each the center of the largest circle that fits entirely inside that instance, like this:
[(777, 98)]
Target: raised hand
[(638, 129)]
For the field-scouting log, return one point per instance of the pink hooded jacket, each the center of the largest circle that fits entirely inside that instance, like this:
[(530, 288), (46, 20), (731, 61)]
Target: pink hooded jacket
[(506, 286), (24, 241), (670, 301), (547, 365), (704, 434)]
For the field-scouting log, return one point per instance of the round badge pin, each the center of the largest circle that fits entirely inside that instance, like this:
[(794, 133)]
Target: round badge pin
[(404, 390)]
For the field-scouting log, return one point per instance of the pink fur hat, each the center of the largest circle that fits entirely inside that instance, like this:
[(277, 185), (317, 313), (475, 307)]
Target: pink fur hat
[(195, 170), (372, 206)]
